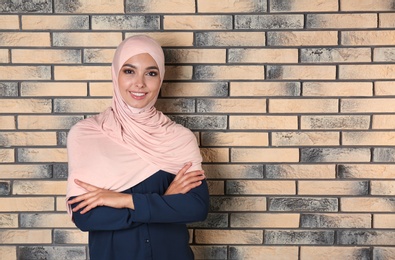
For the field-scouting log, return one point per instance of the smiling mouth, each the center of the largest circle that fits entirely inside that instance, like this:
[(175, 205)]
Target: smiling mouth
[(138, 94)]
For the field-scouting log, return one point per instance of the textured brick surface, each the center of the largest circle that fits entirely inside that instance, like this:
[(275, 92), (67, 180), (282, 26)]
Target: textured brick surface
[(292, 104)]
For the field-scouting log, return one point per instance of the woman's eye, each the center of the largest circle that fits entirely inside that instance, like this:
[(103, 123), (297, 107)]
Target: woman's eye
[(152, 73), (127, 71)]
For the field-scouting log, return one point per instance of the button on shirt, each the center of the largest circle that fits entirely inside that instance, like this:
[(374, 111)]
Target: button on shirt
[(154, 230)]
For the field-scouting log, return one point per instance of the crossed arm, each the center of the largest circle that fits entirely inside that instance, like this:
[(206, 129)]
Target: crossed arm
[(180, 203)]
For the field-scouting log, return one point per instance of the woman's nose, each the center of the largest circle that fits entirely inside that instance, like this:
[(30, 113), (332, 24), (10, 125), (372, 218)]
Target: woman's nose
[(139, 82)]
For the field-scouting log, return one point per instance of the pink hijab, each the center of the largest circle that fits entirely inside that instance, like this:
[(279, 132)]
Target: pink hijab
[(123, 146)]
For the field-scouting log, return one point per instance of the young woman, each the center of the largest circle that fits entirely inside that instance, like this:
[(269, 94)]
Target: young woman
[(135, 176)]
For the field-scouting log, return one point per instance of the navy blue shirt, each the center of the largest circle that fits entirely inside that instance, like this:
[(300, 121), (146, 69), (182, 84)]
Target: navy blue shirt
[(155, 229)]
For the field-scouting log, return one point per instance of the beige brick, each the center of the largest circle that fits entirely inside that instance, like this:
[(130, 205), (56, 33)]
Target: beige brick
[(47, 220), (7, 122), (25, 73), (305, 138), (55, 22), (86, 6), (298, 72), (332, 252), (300, 171), (259, 187), (82, 105), (8, 252), (368, 171), (100, 89), (387, 20), (232, 171), (263, 55), (264, 155), (42, 155), (371, 204), (9, 22), (231, 6), (366, 5), (369, 138), (179, 73), (26, 204), (8, 220), (346, 122), (263, 122), (53, 89), (248, 72), (303, 106), (195, 56), (264, 220), (233, 38), (238, 203), (337, 89), (343, 20), (155, 6), (372, 105), (384, 54), (192, 89), (334, 220), (302, 38), (87, 39), (25, 106), (197, 22), (368, 38), (7, 155), (46, 56), (82, 73), (215, 154), (304, 6), (205, 236), (25, 236), (235, 105), (216, 187), (384, 88), (373, 71), (169, 38), (24, 171), (67, 236), (384, 221), (8, 139), (98, 55), (39, 187), (385, 188), (383, 122), (253, 89), (332, 187), (234, 139), (47, 122), (26, 39), (270, 252), (4, 56), (61, 203)]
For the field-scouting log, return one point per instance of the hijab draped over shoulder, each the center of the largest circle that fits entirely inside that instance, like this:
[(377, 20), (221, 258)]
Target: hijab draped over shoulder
[(123, 146)]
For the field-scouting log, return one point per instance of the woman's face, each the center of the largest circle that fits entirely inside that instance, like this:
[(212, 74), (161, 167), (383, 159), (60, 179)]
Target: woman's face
[(139, 80)]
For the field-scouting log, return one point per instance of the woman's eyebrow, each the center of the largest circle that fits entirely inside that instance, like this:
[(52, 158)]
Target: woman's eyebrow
[(134, 67)]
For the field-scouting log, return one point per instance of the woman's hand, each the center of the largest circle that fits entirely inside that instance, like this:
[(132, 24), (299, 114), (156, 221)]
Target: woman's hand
[(100, 197), (184, 182)]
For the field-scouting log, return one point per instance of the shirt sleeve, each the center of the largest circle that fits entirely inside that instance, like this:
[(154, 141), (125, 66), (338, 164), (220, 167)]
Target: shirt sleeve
[(149, 208), (178, 208)]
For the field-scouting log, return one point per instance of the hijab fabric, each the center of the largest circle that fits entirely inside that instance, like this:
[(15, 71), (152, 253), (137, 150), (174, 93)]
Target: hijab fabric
[(123, 146)]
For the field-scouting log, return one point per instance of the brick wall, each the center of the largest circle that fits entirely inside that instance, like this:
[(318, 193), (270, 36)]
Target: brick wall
[(293, 103)]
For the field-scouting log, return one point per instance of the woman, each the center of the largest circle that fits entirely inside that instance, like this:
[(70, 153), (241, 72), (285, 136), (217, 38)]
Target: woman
[(135, 176)]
